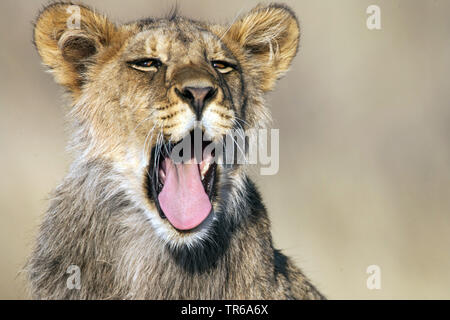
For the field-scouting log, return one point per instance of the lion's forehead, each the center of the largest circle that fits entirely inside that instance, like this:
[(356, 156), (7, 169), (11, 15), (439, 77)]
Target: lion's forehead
[(176, 43)]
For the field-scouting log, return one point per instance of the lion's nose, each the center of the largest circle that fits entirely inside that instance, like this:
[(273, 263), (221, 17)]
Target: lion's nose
[(197, 97)]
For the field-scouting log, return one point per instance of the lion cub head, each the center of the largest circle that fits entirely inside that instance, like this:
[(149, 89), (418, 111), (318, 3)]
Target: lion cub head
[(141, 88)]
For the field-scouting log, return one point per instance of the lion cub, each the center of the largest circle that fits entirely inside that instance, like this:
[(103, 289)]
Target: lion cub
[(132, 221)]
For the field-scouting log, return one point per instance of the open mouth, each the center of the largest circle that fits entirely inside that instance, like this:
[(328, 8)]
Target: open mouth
[(182, 185)]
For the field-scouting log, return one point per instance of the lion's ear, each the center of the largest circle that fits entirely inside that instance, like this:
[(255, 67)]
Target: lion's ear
[(270, 36), (67, 37)]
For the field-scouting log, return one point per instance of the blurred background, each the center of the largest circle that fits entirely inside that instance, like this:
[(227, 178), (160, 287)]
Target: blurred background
[(364, 120)]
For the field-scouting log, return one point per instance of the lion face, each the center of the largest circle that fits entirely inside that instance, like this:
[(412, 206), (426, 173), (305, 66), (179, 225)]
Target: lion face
[(186, 76), (140, 90)]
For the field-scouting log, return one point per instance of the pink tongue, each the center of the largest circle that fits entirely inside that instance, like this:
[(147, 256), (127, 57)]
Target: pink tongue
[(183, 198)]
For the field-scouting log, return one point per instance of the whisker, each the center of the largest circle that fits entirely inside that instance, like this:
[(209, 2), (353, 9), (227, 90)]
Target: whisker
[(144, 150), (241, 132), (155, 156), (237, 144), (142, 121), (139, 124), (242, 120), (160, 141)]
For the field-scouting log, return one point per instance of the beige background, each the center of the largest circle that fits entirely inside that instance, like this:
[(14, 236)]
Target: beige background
[(364, 123)]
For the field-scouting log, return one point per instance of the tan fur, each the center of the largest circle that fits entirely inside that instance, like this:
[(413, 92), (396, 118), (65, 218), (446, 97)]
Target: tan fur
[(101, 217)]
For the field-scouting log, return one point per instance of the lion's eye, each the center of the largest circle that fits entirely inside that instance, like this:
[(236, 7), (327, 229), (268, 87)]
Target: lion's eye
[(145, 64), (222, 66)]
